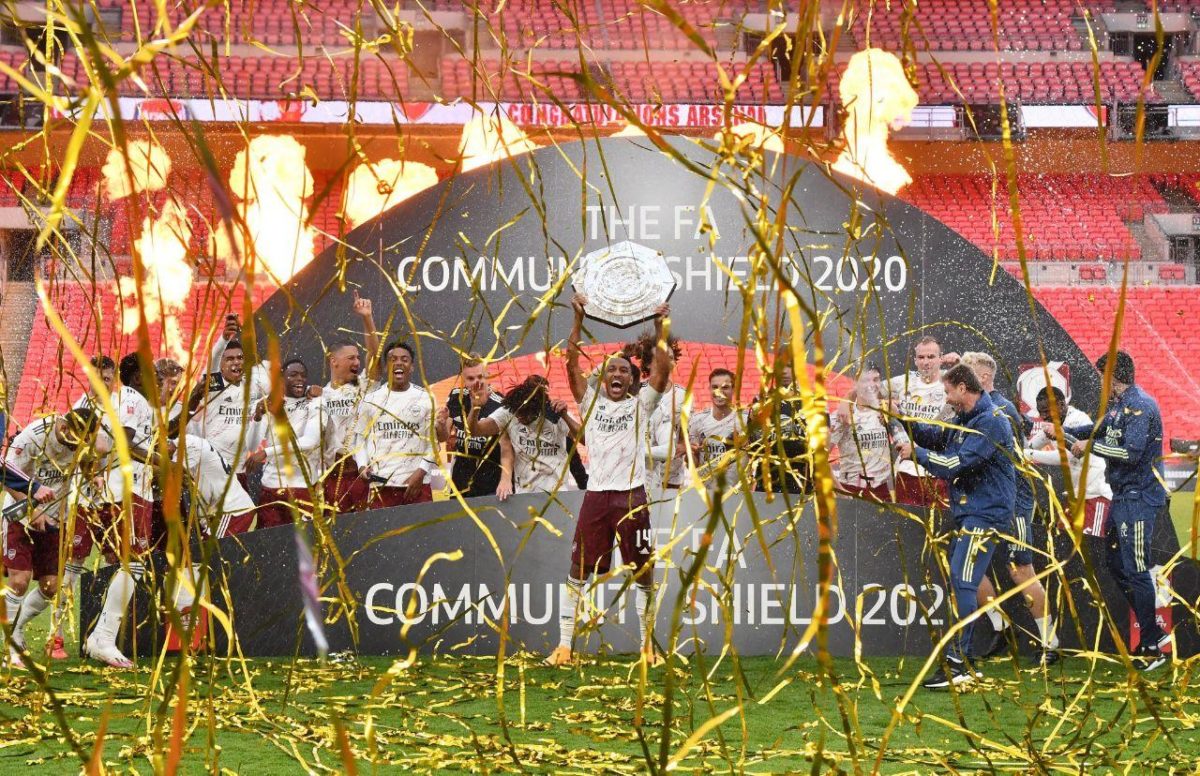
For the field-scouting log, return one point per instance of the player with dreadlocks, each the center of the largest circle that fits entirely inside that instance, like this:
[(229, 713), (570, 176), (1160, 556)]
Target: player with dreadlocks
[(542, 433)]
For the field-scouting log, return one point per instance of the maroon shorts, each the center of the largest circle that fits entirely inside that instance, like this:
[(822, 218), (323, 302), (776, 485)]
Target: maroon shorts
[(1095, 516), (345, 491), (921, 491), (606, 516), (381, 498), (28, 550), (107, 527), (275, 506), (878, 493), (232, 525)]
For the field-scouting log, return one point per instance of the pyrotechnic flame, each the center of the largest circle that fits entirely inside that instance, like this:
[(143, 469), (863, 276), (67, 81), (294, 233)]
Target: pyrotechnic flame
[(148, 164), (877, 98), (163, 246), (272, 180), (487, 139), (374, 188)]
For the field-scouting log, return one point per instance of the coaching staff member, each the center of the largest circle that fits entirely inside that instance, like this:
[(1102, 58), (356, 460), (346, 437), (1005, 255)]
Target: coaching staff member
[(1129, 439), (975, 457)]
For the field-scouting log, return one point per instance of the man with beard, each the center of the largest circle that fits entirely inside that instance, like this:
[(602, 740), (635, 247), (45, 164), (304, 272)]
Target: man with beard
[(395, 426), (975, 456), (860, 432), (615, 424), (477, 469), (781, 437), (920, 397), (221, 409), (714, 431)]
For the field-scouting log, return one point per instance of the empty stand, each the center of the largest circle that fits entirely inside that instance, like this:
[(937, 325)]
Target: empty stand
[(1065, 217), (1158, 332)]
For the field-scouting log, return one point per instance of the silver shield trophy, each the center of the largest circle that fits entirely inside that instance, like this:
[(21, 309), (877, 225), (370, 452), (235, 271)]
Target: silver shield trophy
[(624, 283)]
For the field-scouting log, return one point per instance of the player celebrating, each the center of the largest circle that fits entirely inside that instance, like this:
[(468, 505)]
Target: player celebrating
[(860, 433), (350, 380), (476, 470), (713, 431), (395, 426), (47, 457), (540, 433), (137, 419), (668, 452), (292, 461), (615, 424), (222, 407)]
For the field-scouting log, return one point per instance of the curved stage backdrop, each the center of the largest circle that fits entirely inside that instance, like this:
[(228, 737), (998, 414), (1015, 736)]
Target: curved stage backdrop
[(481, 262)]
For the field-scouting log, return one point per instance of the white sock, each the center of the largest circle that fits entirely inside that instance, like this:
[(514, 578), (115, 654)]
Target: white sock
[(66, 591), (116, 601), (641, 602), (1047, 632), (12, 607), (570, 610), (34, 604), (186, 587), (996, 620)]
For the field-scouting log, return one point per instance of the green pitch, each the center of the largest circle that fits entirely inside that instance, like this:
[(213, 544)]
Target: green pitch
[(281, 717)]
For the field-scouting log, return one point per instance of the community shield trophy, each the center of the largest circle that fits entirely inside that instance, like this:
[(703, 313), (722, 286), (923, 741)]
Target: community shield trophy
[(624, 283)]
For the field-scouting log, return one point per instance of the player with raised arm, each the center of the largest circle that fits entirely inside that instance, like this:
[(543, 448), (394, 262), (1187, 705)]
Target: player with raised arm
[(221, 409), (540, 432), (395, 431), (51, 457), (292, 461), (668, 450), (615, 423), (350, 380)]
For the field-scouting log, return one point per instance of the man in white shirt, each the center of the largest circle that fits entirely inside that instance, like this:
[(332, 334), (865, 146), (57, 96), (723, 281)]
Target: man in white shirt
[(919, 396), (715, 430), (395, 431), (138, 425), (668, 450), (350, 380), (222, 408), (290, 462), (860, 434), (615, 424), (1043, 451), (58, 453), (540, 433)]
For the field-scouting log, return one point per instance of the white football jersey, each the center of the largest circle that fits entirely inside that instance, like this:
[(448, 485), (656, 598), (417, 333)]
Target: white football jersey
[(714, 436), (395, 432), (667, 467), (302, 447), (542, 452), (864, 446), (915, 398), (37, 453), (616, 434), (213, 482), (1097, 483), (137, 415), (341, 406), (223, 417)]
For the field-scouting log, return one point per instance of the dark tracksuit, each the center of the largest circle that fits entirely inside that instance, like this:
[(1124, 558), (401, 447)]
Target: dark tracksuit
[(1129, 439), (1020, 547), (975, 457)]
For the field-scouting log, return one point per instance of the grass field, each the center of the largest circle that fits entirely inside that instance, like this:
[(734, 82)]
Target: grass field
[(439, 714)]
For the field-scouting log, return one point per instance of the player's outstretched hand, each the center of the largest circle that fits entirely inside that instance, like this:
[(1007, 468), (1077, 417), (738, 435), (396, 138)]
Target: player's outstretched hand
[(43, 494), (362, 307), (904, 450), (413, 487), (559, 406), (1079, 448), (578, 303), (233, 328), (662, 311), (504, 489)]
